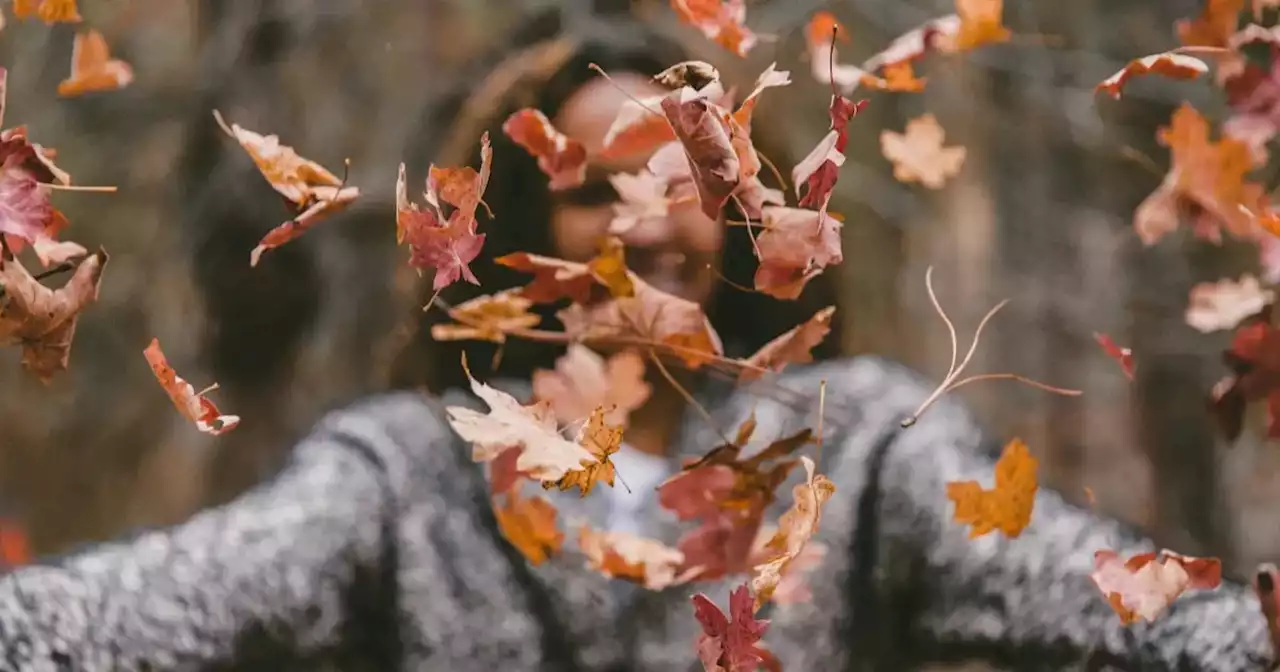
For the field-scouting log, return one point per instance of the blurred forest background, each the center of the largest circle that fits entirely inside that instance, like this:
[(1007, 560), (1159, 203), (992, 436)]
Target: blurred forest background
[(1041, 213)]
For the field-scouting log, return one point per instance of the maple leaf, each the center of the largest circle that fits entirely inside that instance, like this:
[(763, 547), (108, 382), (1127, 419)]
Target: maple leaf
[(547, 456), (792, 347), (641, 216), (560, 157), (722, 21), (795, 246), (650, 316), (530, 525), (462, 187), (92, 68), (1145, 585), (918, 154), (601, 440), (981, 23), (583, 380), (194, 406), (1168, 64), (1214, 306), (705, 135), (43, 320), (1123, 356), (487, 318), (729, 643), (311, 190), (1207, 176), (1007, 506), (449, 248), (610, 268), (622, 555), (795, 528), (1254, 361), (1215, 25), (49, 11)]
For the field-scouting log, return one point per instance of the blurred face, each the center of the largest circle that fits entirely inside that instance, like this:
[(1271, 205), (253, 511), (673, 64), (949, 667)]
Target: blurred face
[(681, 257)]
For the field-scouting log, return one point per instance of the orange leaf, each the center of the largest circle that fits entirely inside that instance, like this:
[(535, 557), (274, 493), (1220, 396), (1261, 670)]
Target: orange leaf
[(560, 157), (1145, 585), (626, 556), (601, 440), (610, 268), (981, 23), (193, 405), (1168, 64), (553, 279), (49, 11), (795, 528), (722, 21), (898, 77), (92, 68), (487, 318), (792, 347), (530, 525), (794, 248), (583, 380), (918, 154), (1215, 25), (1007, 506), (462, 187)]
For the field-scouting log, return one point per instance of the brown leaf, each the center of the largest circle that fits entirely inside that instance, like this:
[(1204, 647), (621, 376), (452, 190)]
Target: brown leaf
[(487, 318), (722, 21), (553, 279), (1006, 507), (610, 268), (792, 347), (601, 440), (621, 555), (795, 528), (43, 320), (795, 247), (49, 11), (703, 131), (193, 405), (530, 525)]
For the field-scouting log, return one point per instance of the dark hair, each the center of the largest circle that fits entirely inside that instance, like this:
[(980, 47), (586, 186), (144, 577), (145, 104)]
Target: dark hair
[(518, 195)]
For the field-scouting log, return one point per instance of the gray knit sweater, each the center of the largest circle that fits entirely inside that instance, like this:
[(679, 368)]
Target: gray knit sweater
[(376, 549)]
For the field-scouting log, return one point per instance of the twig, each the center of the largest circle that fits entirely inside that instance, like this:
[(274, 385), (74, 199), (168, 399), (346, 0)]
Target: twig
[(624, 92), (60, 268), (822, 409), (950, 382), (706, 415), (77, 187)]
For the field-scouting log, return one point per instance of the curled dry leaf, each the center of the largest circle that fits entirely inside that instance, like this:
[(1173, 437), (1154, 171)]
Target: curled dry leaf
[(704, 133), (819, 170), (1006, 507), (1168, 64), (1145, 585), (1123, 356), (794, 586), (529, 523), (43, 320), (462, 187), (487, 318), (722, 21), (49, 11), (795, 528), (621, 555), (311, 190), (92, 68), (560, 157), (194, 406), (1254, 361), (935, 34), (792, 347), (918, 155), (601, 440), (547, 456), (451, 246), (553, 279), (583, 380), (731, 643), (794, 248), (1215, 306)]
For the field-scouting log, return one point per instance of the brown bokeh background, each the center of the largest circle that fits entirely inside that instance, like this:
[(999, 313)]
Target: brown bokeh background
[(1040, 214)]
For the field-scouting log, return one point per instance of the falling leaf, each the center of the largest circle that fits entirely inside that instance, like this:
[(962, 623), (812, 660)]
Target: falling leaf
[(641, 216), (935, 34), (92, 68), (462, 187), (639, 128), (795, 246), (553, 279), (705, 134), (722, 21), (530, 525), (981, 23), (729, 643), (1254, 361), (601, 440), (1143, 586), (1168, 64), (1215, 25), (622, 555), (43, 320), (49, 11), (560, 157), (610, 268), (794, 587), (583, 380), (15, 544), (1007, 506), (312, 191), (1123, 356), (795, 528), (448, 248), (24, 203), (487, 318), (818, 171), (547, 456), (918, 155), (792, 347), (194, 406), (1215, 306)]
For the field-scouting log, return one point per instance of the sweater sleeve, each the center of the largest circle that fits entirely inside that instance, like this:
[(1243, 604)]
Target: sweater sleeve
[(920, 589), (277, 579)]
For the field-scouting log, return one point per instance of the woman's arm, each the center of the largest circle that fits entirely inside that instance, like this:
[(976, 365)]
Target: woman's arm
[(921, 589), (278, 579)]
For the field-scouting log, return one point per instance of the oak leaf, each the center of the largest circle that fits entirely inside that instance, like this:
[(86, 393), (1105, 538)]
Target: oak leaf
[(627, 556), (560, 157), (918, 155), (530, 525), (92, 68), (583, 380), (1215, 306), (795, 528), (792, 347), (1006, 507), (194, 406), (730, 643), (487, 318), (1168, 64), (43, 320), (1143, 586)]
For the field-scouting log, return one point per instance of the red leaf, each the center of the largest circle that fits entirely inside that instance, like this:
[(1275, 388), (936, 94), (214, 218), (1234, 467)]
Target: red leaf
[(24, 204), (792, 347), (448, 249), (561, 158), (193, 405), (705, 135), (794, 248), (1254, 360), (722, 21), (820, 169), (1123, 356), (729, 644)]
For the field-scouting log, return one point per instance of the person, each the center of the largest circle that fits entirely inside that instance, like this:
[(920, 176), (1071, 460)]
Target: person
[(376, 546)]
